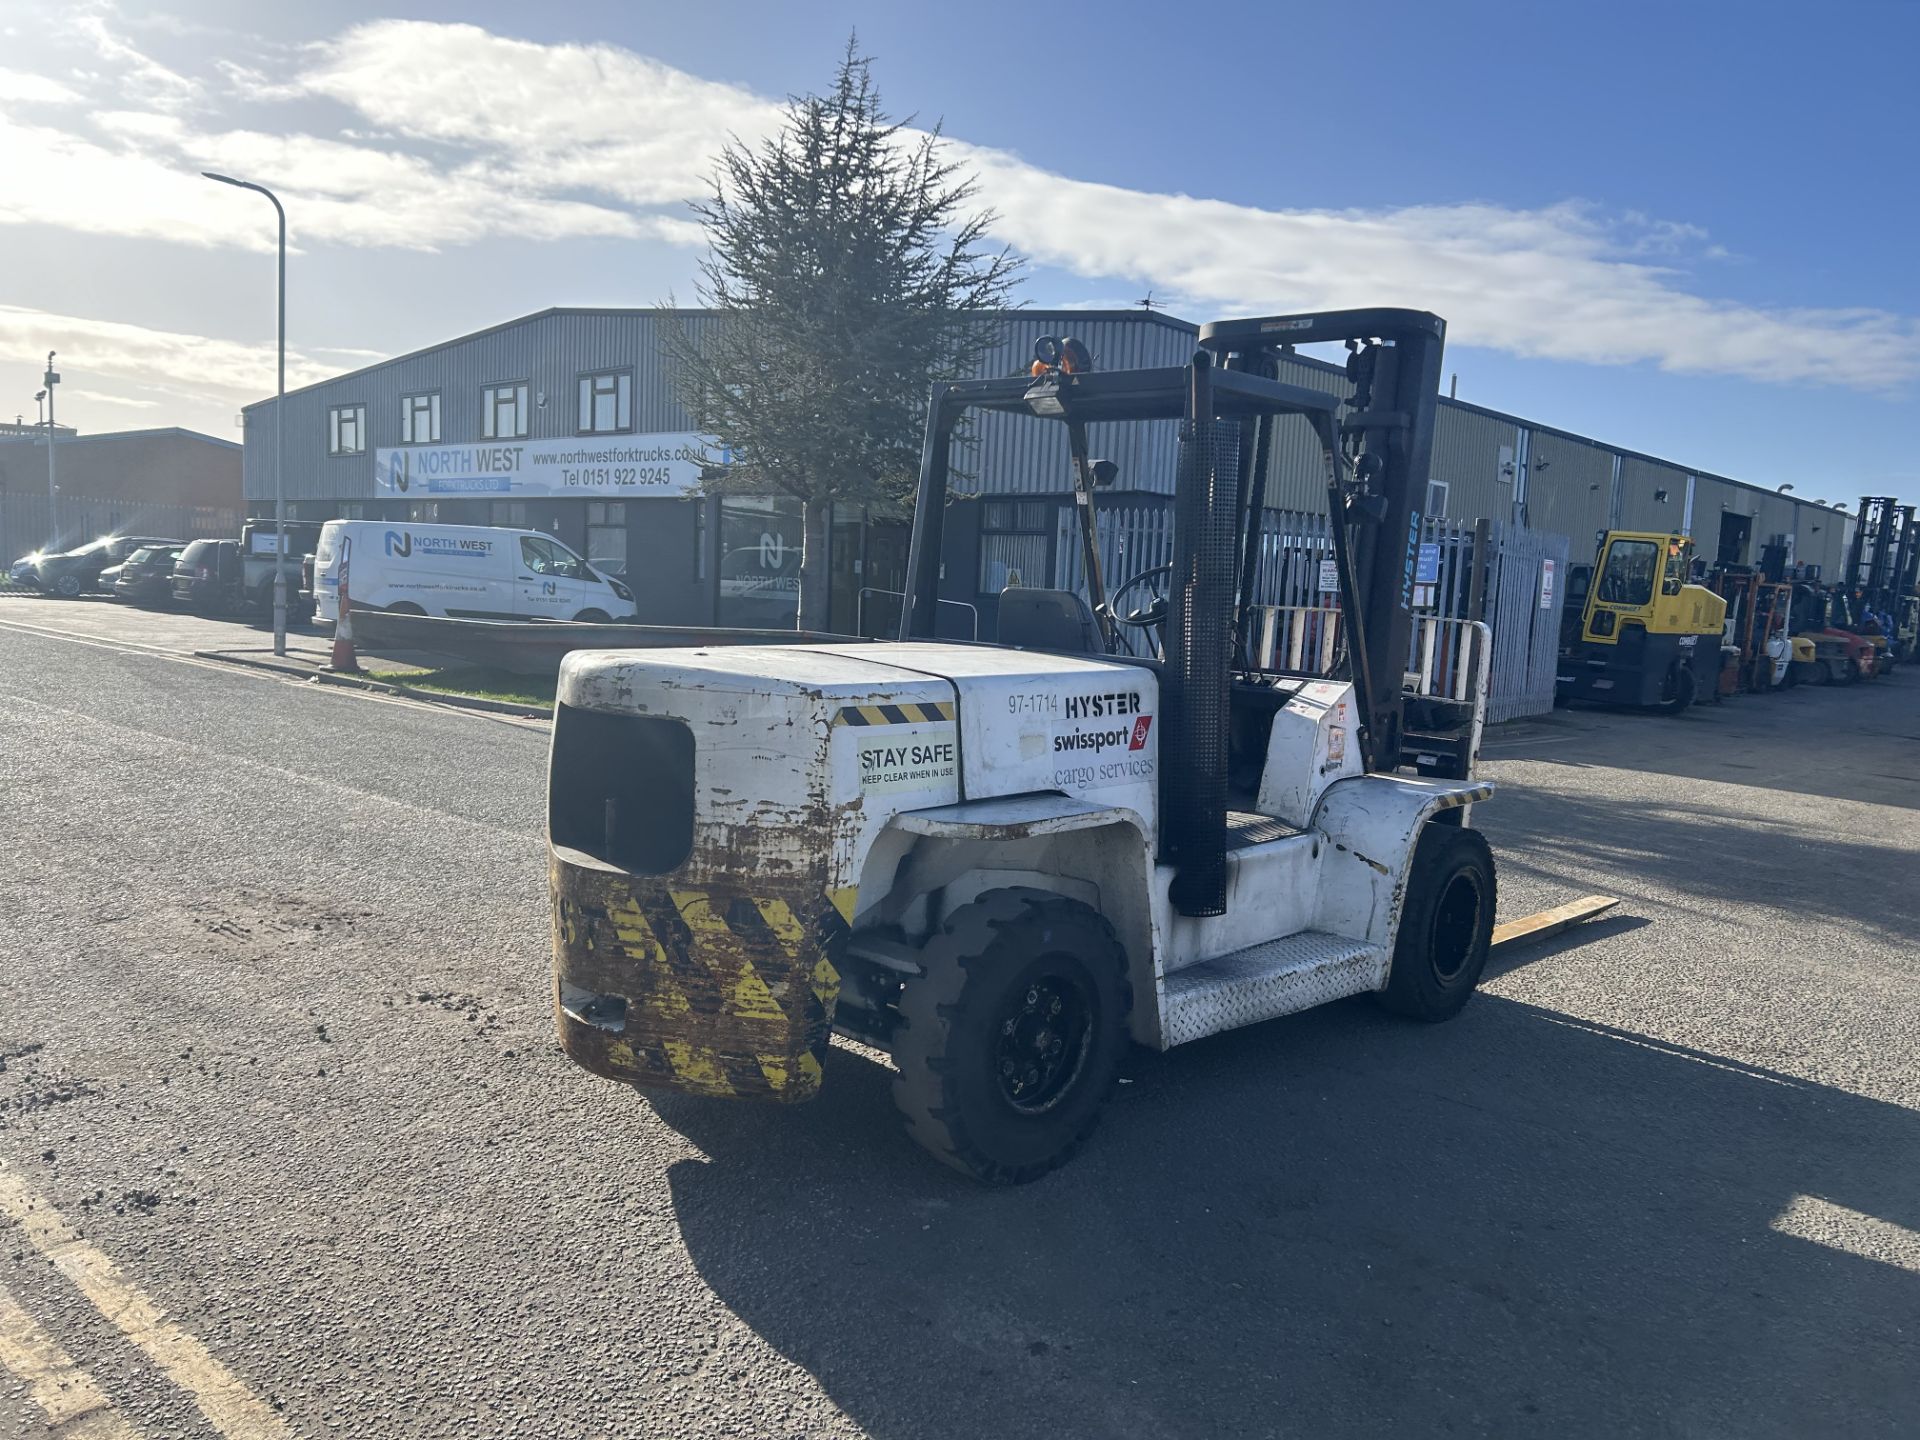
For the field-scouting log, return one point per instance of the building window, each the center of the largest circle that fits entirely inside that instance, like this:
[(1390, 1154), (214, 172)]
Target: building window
[(606, 403), (1437, 499), (420, 419), (1013, 544), (607, 537), (510, 513), (504, 412), (347, 430), (423, 512)]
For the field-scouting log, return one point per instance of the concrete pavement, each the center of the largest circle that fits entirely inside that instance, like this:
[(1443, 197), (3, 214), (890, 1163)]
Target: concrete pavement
[(273, 998)]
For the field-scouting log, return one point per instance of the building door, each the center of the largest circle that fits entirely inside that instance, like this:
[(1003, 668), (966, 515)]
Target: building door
[(1735, 530)]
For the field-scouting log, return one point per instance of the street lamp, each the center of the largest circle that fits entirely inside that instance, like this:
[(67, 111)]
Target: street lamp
[(279, 426), (52, 378)]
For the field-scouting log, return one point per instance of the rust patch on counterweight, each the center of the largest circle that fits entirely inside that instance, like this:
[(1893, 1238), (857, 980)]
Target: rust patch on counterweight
[(716, 989)]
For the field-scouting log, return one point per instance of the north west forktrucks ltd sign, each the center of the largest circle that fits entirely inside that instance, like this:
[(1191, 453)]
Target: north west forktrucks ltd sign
[(630, 466)]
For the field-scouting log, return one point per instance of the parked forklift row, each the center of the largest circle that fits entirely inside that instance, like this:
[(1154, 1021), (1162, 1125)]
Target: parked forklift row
[(1648, 625)]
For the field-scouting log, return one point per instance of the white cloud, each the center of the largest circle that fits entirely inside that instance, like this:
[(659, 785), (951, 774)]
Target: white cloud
[(22, 88), (1554, 283), (133, 357), (141, 76), (101, 397), (505, 137), (590, 117)]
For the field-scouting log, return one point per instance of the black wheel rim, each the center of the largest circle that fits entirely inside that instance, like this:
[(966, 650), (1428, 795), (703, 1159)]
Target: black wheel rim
[(1456, 925), (1041, 1042)]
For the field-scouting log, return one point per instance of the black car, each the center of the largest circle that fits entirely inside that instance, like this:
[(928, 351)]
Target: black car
[(77, 571), (207, 577), (146, 576)]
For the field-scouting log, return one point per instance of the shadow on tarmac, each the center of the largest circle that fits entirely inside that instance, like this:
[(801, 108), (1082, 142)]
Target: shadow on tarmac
[(1715, 854), (1859, 742), (1336, 1224)]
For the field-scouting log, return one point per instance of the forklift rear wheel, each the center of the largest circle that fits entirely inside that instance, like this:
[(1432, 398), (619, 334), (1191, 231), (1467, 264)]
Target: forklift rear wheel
[(1680, 691), (1012, 1040), (1446, 925)]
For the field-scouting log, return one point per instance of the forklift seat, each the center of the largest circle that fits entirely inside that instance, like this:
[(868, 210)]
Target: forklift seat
[(1058, 620)]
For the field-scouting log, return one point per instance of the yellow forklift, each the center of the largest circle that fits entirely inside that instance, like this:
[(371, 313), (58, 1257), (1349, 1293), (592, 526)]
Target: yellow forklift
[(1636, 631)]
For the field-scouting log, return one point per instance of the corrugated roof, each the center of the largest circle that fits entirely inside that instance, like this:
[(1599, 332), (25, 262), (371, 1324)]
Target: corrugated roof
[(68, 440)]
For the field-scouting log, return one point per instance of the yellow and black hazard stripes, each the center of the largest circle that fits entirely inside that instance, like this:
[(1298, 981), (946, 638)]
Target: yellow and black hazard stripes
[(717, 991), (929, 713)]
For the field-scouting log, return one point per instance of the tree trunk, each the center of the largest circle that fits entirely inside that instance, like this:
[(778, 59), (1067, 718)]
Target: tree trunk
[(816, 578)]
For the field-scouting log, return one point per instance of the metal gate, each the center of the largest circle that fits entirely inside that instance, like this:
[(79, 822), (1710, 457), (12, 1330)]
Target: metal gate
[(1510, 577), (1524, 595)]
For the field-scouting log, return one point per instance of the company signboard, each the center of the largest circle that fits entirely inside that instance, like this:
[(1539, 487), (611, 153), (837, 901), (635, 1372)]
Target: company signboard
[(627, 466)]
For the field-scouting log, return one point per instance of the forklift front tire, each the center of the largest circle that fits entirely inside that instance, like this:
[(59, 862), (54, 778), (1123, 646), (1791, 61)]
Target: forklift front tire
[(1446, 925), (1681, 691), (1012, 1039)]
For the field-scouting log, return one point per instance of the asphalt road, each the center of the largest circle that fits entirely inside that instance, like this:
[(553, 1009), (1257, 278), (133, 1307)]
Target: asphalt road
[(273, 1007)]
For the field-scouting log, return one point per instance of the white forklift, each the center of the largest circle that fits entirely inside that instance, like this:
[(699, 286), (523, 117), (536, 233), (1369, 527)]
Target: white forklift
[(1004, 863)]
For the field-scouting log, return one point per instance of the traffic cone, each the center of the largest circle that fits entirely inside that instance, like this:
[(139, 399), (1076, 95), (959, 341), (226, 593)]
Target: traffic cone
[(343, 656)]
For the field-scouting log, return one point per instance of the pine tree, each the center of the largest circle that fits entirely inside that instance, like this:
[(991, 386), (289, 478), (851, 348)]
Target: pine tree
[(851, 271)]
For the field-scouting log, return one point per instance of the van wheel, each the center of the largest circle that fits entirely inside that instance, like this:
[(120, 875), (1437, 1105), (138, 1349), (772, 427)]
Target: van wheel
[(1446, 924), (404, 607), (1680, 691), (592, 617), (1011, 1041)]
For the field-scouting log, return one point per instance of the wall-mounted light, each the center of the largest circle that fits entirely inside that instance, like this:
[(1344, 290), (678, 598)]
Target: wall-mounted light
[(1659, 497)]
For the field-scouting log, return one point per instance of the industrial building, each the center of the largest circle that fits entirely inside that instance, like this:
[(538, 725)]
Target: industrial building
[(565, 420), (165, 481)]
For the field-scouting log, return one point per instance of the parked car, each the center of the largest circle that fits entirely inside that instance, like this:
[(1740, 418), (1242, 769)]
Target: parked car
[(24, 571), (257, 563), (207, 577), (472, 571), (146, 576), (75, 572)]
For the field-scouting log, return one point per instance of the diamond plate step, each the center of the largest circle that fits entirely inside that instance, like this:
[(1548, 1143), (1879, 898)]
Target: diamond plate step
[(1276, 977)]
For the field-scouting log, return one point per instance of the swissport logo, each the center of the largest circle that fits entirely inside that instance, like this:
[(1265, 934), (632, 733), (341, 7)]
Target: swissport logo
[(1140, 728)]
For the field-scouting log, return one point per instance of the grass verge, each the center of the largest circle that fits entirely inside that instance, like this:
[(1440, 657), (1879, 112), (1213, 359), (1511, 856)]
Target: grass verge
[(484, 682)]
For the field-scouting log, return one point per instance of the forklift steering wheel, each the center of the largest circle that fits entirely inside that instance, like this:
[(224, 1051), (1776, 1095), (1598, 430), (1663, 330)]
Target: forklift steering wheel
[(1154, 611)]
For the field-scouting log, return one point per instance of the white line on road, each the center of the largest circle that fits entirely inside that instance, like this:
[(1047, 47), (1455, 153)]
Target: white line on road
[(234, 1410), (75, 1406), (1808, 1217), (256, 672)]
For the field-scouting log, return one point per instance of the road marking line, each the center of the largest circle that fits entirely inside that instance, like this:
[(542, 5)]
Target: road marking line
[(154, 652), (75, 1406), (1868, 1237), (233, 1409)]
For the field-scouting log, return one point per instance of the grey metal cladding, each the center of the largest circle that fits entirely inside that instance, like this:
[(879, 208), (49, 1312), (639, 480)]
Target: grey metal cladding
[(1569, 489), (1005, 456), (549, 351), (1012, 455)]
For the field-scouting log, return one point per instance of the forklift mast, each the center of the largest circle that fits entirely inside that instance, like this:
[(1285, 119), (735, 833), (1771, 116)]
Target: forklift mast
[(1871, 557), (1394, 361)]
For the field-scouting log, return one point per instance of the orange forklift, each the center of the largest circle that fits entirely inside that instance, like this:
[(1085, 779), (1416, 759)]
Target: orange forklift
[(1757, 630)]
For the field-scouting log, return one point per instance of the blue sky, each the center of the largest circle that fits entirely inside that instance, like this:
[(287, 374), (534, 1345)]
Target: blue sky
[(1683, 228)]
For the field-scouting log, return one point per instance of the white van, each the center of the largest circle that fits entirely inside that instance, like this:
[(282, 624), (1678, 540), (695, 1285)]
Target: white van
[(471, 571)]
